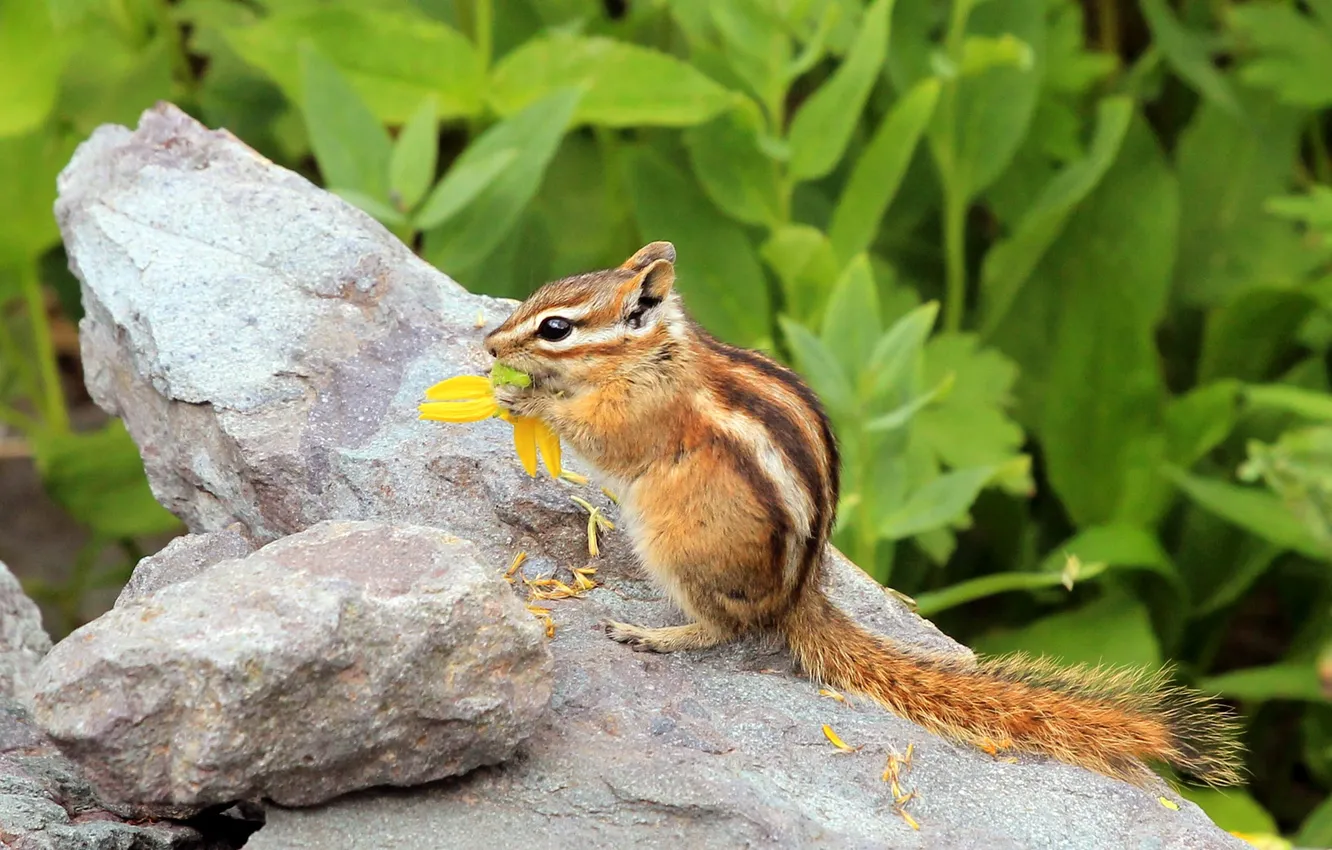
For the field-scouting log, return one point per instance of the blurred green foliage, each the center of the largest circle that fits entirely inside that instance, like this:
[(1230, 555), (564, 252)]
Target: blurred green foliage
[(1061, 271)]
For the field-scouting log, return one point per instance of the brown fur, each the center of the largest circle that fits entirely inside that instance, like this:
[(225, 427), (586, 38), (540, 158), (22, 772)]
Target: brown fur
[(728, 476)]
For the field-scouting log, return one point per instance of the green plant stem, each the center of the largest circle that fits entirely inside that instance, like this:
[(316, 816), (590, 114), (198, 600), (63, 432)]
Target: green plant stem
[(69, 598), (957, 29), (944, 145), (866, 535), (1107, 19), (180, 60), (609, 144), (52, 400), (9, 353), (17, 419), (929, 604), (955, 257), (484, 32), (1322, 162)]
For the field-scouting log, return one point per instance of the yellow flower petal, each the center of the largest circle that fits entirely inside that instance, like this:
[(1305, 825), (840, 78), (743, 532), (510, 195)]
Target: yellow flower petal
[(524, 442), (463, 387), (836, 741), (473, 410), (549, 444)]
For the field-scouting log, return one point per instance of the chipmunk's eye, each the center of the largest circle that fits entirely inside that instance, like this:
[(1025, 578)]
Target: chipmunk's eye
[(554, 328)]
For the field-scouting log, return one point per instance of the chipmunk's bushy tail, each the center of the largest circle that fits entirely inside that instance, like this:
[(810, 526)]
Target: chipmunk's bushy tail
[(1103, 720)]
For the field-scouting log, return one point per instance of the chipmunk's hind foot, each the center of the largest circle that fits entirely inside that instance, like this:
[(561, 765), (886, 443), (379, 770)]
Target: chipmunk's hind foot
[(665, 639)]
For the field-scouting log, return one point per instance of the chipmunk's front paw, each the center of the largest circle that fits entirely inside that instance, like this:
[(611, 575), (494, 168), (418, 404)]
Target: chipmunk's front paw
[(637, 638), (520, 401)]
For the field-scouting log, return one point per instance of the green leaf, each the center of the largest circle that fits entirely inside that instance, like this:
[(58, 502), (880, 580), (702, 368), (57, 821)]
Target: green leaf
[(802, 258), (851, 325), (234, 94), (115, 78), (1188, 55), (412, 165), (1254, 510), (939, 502), (982, 53), (1289, 399), (879, 171), (393, 60), (1298, 468), (1313, 209), (993, 110), (465, 239), (30, 164), (895, 356), (350, 144), (754, 42), (31, 59), (584, 209), (1316, 831), (1292, 52), (970, 426), (1083, 332), (895, 419), (461, 185), (1114, 630), (717, 271), (1197, 422), (1248, 562), (1291, 680), (1248, 335), (820, 367), (1227, 167), (1124, 547), (1072, 66), (823, 125), (736, 174), (1232, 809), (931, 604), (98, 477), (626, 85), (1010, 262), (380, 210), (1117, 545)]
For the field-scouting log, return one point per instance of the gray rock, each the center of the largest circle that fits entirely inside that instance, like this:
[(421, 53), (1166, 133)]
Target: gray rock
[(267, 345), (349, 655), (23, 641), (46, 804), (183, 558)]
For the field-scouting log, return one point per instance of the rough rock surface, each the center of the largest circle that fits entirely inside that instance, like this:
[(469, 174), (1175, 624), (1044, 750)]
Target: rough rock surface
[(23, 641), (267, 345), (45, 803), (349, 655), (183, 558)]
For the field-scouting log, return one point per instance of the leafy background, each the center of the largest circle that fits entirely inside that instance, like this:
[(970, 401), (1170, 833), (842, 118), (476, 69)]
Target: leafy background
[(1061, 271)]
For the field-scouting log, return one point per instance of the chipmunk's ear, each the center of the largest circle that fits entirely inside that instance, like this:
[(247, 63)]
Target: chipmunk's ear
[(649, 254), (646, 290)]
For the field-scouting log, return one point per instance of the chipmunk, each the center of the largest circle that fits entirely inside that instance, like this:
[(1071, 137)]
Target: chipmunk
[(727, 472)]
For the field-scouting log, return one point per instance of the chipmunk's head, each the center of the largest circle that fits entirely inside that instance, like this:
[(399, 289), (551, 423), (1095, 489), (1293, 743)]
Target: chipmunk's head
[(576, 331)]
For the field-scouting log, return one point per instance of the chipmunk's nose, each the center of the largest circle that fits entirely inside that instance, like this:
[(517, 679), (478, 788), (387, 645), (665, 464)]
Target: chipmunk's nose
[(492, 350)]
